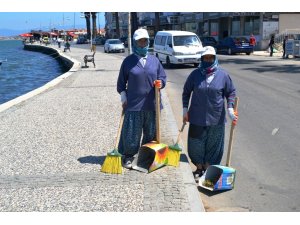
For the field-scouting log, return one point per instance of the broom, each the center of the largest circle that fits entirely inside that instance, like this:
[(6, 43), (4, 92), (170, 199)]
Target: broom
[(112, 162), (175, 150)]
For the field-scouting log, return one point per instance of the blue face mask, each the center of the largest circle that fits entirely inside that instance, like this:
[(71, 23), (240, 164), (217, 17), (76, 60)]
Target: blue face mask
[(140, 51), (205, 64)]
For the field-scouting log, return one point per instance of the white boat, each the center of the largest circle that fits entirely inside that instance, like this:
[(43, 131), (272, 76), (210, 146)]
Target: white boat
[(2, 60)]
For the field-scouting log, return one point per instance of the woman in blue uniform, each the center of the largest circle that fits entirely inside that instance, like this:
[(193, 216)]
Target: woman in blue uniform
[(139, 73), (210, 85)]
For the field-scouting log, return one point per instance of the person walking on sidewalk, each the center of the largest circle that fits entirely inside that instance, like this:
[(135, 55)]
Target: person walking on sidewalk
[(271, 45), (284, 56), (138, 75), (208, 85)]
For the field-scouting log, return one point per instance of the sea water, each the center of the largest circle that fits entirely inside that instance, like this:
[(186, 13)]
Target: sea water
[(23, 71)]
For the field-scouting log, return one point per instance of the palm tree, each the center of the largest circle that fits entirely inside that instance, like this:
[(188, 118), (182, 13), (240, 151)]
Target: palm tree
[(94, 18), (157, 22), (117, 25), (134, 22), (88, 24)]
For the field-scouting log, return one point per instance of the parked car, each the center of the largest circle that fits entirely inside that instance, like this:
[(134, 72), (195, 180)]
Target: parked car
[(177, 47), (81, 40), (114, 45), (151, 42), (208, 41), (232, 45), (99, 41)]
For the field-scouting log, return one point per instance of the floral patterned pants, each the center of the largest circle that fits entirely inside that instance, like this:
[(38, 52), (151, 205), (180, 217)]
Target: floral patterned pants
[(206, 144), (135, 125)]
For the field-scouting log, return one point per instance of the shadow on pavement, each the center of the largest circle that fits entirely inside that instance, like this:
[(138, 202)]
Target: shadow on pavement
[(183, 158), (210, 193), (92, 159), (259, 67)]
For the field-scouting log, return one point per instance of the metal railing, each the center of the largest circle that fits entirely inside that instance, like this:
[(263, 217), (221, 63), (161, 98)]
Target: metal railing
[(291, 33)]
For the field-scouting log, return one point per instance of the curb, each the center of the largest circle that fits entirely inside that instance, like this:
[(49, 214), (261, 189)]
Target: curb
[(191, 187)]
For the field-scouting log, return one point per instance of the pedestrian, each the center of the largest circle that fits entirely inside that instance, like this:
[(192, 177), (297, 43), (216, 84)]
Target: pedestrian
[(252, 40), (138, 75), (67, 46), (58, 42), (271, 45), (284, 55), (208, 85)]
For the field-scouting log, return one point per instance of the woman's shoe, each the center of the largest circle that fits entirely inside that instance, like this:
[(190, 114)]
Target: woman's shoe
[(197, 174)]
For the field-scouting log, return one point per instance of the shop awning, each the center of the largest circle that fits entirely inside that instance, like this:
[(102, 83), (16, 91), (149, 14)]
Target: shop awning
[(53, 34), (71, 34), (26, 35)]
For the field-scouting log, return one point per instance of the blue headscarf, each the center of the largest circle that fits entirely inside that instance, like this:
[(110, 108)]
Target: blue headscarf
[(209, 68), (140, 51)]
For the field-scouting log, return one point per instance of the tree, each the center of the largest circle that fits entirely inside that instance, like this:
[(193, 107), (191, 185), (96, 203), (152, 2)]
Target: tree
[(117, 24), (88, 24), (134, 22), (94, 18), (157, 22)]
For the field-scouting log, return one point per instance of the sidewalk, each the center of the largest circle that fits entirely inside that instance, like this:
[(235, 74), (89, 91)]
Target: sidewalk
[(266, 53), (52, 146)]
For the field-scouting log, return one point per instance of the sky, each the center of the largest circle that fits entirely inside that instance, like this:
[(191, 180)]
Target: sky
[(20, 22), (20, 16)]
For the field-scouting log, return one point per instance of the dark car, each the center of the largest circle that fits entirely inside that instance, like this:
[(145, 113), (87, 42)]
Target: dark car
[(99, 41), (208, 41), (81, 40), (232, 45), (124, 40), (151, 42)]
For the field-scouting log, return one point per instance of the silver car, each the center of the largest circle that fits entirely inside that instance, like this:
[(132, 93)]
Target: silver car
[(114, 45)]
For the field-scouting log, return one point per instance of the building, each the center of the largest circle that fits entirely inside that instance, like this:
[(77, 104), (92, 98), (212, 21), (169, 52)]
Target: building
[(217, 24)]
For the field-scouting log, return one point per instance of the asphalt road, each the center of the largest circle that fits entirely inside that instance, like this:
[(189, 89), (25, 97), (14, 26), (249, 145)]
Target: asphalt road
[(266, 145)]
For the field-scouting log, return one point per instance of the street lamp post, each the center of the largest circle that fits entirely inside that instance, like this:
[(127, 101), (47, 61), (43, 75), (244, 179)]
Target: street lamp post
[(129, 34)]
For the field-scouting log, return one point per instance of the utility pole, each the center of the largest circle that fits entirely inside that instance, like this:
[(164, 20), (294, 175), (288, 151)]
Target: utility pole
[(129, 34), (99, 27), (64, 27)]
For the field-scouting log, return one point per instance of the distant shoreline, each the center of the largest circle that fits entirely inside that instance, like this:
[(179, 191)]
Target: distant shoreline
[(10, 38)]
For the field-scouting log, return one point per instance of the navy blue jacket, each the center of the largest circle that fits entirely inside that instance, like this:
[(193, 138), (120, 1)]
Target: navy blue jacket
[(207, 103), (138, 81)]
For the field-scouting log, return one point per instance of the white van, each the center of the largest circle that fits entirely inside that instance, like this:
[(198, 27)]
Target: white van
[(177, 47)]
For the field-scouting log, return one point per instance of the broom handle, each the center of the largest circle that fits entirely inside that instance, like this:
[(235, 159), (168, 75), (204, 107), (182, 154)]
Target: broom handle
[(120, 129), (157, 108), (180, 131), (236, 102)]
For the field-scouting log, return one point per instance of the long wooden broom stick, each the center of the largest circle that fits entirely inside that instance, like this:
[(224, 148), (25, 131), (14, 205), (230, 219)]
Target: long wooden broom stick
[(157, 100), (120, 129), (236, 102)]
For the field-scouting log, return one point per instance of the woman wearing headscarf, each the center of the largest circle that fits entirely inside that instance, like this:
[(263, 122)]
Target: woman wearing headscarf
[(138, 75), (209, 86)]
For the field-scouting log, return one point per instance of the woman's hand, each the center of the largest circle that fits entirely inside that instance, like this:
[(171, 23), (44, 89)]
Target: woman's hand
[(233, 115), (185, 117), (123, 99), (157, 83)]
